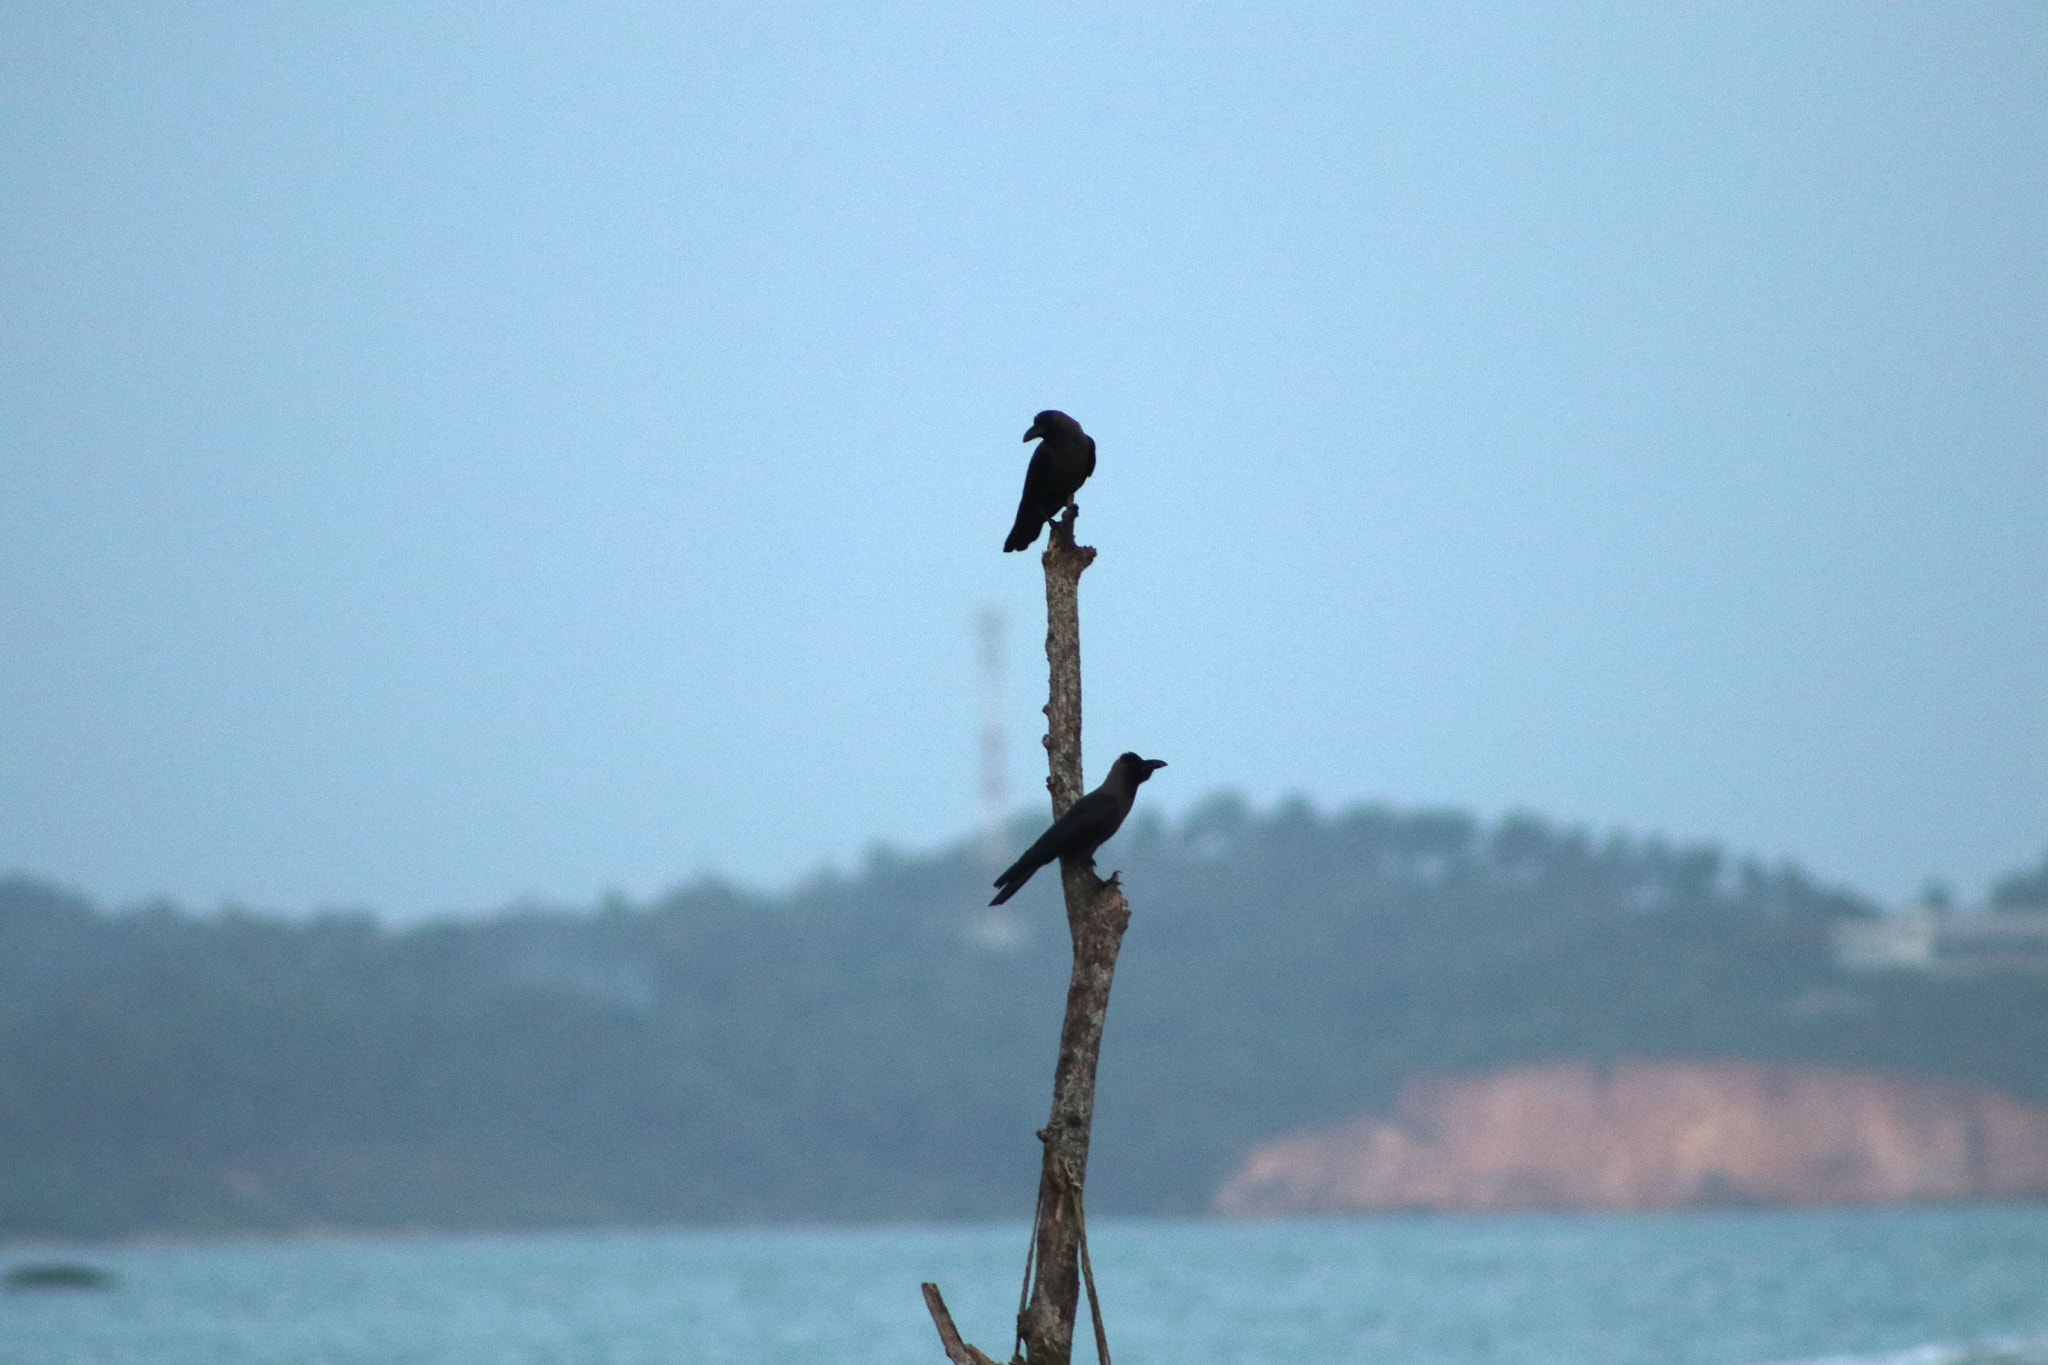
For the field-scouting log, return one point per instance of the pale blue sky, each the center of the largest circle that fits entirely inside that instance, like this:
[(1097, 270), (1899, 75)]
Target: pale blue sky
[(453, 452)]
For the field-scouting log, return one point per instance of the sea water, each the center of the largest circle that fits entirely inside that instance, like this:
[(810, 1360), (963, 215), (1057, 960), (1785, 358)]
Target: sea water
[(1922, 1286)]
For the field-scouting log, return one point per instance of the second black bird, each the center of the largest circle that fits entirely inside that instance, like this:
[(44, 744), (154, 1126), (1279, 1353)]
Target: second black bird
[(1086, 826), (1062, 463)]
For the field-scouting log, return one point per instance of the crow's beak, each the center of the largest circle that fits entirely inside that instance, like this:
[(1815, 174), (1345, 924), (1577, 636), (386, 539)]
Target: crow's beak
[(1033, 434), (1154, 764)]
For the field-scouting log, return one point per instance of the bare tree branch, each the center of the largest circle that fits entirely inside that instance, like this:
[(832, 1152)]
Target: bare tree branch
[(1064, 562), (957, 1351), (1097, 915)]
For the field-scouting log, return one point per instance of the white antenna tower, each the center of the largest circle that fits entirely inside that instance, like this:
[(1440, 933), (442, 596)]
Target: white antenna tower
[(993, 928), (995, 778)]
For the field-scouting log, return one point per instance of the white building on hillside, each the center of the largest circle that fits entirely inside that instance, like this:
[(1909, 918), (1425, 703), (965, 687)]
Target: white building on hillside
[(1944, 943)]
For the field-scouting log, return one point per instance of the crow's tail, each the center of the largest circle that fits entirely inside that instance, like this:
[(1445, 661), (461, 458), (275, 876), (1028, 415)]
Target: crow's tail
[(1024, 532), (1013, 879)]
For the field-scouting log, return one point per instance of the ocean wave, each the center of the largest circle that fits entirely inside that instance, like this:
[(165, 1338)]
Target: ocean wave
[(1991, 1351)]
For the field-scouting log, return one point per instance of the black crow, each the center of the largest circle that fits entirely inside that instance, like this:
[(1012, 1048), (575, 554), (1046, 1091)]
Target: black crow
[(1087, 824), (1062, 463)]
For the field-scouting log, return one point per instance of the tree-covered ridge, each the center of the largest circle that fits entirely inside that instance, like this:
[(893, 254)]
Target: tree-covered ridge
[(2026, 889), (848, 1050)]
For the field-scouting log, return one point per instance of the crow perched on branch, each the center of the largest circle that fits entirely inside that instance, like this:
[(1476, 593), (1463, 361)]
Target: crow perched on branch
[(1062, 463), (1087, 824)]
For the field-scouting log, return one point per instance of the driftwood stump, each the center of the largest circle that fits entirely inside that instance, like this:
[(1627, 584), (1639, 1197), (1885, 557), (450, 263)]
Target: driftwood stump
[(1097, 915)]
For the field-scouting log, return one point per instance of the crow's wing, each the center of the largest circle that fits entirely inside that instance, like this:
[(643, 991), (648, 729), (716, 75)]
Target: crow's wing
[(1087, 823), (1037, 502)]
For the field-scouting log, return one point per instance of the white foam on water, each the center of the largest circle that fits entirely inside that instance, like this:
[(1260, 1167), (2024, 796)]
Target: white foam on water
[(1992, 1351)]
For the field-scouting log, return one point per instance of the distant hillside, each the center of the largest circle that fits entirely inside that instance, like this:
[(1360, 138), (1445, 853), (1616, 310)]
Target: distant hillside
[(855, 1049), (1654, 1135)]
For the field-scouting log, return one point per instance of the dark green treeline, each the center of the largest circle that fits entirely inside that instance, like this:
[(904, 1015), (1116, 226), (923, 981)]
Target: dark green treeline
[(852, 1050)]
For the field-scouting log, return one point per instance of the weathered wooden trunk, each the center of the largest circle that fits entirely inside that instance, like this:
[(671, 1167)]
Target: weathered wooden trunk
[(1097, 915)]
